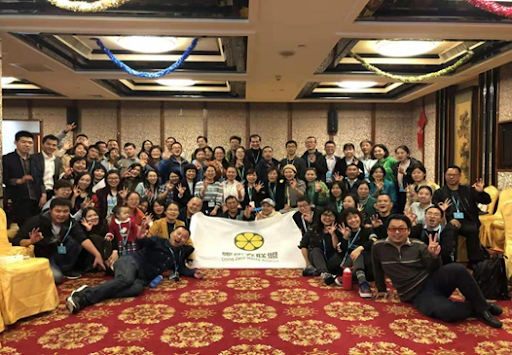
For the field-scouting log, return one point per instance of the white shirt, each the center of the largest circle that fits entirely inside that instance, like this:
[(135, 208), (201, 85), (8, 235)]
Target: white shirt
[(331, 162), (368, 164), (49, 171), (231, 189)]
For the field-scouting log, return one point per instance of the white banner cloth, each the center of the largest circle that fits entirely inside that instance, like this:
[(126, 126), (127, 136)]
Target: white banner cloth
[(222, 243)]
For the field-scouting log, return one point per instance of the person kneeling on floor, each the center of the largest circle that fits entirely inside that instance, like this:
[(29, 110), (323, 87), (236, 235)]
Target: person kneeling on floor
[(416, 272), (57, 237), (354, 250), (134, 271)]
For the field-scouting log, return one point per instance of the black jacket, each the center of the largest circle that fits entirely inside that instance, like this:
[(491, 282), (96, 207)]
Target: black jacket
[(347, 189), (38, 161), (447, 238), (279, 189), (407, 177), (257, 197), (304, 225), (253, 157), (13, 169), (155, 257), (48, 245), (469, 200), (320, 164), (341, 167), (262, 167), (313, 239), (187, 195)]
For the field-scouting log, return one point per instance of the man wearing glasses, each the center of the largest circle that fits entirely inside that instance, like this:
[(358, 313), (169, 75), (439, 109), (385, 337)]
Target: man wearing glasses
[(463, 213), (416, 272)]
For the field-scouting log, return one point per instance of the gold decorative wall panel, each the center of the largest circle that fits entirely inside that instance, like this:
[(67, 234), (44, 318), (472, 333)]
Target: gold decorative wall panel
[(224, 121), (99, 120)]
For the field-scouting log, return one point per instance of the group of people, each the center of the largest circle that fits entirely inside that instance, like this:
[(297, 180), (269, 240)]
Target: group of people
[(90, 206)]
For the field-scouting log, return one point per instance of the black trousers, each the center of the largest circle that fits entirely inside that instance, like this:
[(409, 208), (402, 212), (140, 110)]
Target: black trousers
[(471, 232), (24, 209), (433, 300), (128, 282), (401, 201)]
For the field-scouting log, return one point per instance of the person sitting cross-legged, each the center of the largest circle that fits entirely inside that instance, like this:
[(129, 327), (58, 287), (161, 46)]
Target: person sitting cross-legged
[(57, 237), (318, 246), (416, 272), (134, 271)]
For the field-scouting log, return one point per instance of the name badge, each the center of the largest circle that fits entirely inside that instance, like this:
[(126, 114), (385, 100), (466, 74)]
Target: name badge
[(401, 189), (328, 175), (61, 249), (458, 215)]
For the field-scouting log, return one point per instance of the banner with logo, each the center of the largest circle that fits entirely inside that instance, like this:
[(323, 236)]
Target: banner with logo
[(230, 244)]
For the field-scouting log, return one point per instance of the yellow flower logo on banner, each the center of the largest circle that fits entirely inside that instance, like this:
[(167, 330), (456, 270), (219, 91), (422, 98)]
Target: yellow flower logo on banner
[(249, 241)]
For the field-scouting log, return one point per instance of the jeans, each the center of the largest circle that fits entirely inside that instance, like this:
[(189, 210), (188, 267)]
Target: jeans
[(60, 263), (335, 267), (317, 259), (433, 300), (128, 282)]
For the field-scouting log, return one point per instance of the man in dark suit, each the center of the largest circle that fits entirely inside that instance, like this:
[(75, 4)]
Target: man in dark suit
[(265, 163), (47, 165), (331, 160), (23, 185), (463, 213), (315, 159)]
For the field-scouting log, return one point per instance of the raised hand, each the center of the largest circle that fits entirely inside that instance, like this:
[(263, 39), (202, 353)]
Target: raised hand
[(379, 185), (76, 191), (344, 231), (308, 218), (318, 186), (479, 185), (401, 171), (433, 246), (70, 127), (293, 184), (88, 225), (126, 173), (312, 158), (123, 193), (337, 177), (35, 236), (258, 186), (332, 228), (445, 205), (360, 207), (376, 221), (181, 189), (68, 171), (248, 210), (239, 187), (67, 146)]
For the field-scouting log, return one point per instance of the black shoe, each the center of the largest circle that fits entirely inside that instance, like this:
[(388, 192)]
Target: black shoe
[(495, 309), (309, 271), (109, 272), (72, 275), (74, 303), (487, 318)]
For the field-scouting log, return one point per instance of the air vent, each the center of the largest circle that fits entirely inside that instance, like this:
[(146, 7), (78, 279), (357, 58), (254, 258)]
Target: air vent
[(33, 67), (76, 44), (457, 50)]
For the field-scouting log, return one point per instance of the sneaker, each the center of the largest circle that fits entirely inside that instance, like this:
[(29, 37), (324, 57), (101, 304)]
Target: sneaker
[(72, 275), (487, 318), (73, 302), (339, 281), (494, 309), (328, 278), (309, 271), (364, 290)]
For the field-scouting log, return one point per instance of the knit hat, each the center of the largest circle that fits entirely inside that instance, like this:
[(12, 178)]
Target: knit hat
[(289, 166), (269, 201)]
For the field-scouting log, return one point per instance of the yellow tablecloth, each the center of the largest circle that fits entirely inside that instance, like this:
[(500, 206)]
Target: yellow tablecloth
[(26, 288)]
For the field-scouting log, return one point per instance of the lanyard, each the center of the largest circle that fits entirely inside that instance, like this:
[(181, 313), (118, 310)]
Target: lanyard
[(288, 195), (350, 246), (250, 192), (242, 173), (67, 234), (257, 158), (325, 251), (272, 190), (290, 162), (176, 264), (304, 224), (456, 203), (427, 234), (339, 205)]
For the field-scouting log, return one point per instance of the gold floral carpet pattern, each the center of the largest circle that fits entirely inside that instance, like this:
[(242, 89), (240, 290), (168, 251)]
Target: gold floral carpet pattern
[(249, 312)]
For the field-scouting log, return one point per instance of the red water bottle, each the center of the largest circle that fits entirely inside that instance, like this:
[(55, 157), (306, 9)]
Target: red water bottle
[(347, 279)]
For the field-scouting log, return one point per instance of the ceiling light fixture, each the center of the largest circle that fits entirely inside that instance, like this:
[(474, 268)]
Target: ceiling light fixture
[(8, 80), (148, 44), (404, 48), (176, 82), (348, 84)]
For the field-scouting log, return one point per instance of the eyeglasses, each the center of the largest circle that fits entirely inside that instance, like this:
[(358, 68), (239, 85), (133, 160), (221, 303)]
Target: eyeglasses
[(399, 229), (113, 178), (328, 215), (429, 214)]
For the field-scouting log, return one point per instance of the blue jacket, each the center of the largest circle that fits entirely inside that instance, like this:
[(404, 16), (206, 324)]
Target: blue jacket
[(166, 167)]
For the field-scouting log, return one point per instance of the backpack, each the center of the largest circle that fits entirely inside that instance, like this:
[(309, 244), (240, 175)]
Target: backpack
[(491, 277)]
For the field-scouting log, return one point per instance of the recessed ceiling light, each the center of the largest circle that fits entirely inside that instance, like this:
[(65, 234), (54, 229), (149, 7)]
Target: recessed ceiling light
[(347, 84), (176, 82), (404, 48), (148, 44), (6, 80)]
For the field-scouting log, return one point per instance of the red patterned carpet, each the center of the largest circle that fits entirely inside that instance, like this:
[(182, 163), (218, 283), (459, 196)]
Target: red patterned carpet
[(249, 312)]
